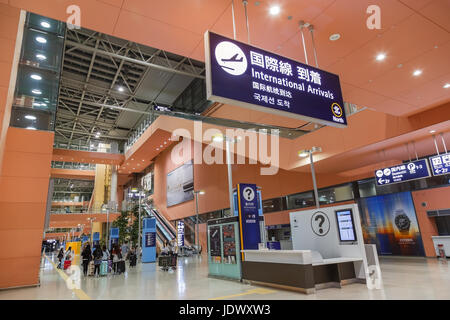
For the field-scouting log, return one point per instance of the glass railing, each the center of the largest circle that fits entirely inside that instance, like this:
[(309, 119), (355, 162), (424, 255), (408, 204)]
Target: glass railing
[(93, 147), (72, 165)]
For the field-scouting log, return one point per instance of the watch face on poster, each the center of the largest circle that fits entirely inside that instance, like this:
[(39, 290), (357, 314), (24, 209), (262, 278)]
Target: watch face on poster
[(402, 221)]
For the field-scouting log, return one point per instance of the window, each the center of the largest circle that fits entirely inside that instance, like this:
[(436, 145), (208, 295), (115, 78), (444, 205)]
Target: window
[(301, 200), (443, 225)]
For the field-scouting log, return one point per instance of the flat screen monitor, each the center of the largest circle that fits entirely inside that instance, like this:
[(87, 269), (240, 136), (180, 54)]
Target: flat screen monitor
[(346, 226)]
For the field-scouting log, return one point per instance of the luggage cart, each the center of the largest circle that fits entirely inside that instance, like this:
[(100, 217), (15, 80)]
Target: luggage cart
[(167, 261)]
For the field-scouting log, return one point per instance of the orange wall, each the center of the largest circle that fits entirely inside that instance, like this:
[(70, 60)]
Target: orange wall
[(23, 197), (213, 179), (9, 23), (437, 198)]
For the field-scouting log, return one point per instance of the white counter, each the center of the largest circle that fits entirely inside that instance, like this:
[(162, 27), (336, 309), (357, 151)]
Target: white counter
[(445, 240), (336, 260), (278, 256)]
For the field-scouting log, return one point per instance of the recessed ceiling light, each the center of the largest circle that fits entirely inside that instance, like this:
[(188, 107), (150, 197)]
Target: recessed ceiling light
[(274, 10), (433, 131), (335, 37), (447, 85), (381, 56), (157, 149), (36, 91), (45, 24), (41, 40), (132, 159), (41, 57), (417, 73), (36, 77), (121, 89), (30, 117)]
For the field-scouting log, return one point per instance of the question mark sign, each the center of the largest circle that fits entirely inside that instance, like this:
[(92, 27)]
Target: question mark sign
[(322, 220)]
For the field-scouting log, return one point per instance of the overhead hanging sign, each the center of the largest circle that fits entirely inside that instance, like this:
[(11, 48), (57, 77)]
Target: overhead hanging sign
[(440, 164), (249, 77), (180, 233), (404, 172)]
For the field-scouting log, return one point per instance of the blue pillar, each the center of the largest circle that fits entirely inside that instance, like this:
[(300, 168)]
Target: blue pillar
[(149, 240)]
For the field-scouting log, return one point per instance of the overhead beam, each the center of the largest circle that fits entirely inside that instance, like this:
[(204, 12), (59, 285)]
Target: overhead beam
[(137, 61)]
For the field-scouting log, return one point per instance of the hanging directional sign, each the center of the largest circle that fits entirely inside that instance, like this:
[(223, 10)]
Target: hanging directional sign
[(249, 77), (440, 164), (403, 172)]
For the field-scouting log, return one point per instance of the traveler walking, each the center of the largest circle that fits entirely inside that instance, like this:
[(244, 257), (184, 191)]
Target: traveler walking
[(98, 255), (86, 255)]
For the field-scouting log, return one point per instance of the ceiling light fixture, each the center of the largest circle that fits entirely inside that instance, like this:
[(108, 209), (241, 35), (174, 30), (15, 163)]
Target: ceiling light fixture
[(41, 57), (433, 131), (335, 37), (447, 85), (41, 40), (275, 10), (45, 24), (121, 89), (36, 91), (31, 128), (381, 56), (36, 77), (30, 117), (417, 73)]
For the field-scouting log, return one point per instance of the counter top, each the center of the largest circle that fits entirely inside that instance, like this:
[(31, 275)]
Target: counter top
[(279, 256), (336, 260), (440, 237)]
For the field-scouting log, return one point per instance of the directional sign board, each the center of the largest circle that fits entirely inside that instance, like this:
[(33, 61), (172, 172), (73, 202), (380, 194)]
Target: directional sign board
[(249, 77), (440, 164), (403, 172)]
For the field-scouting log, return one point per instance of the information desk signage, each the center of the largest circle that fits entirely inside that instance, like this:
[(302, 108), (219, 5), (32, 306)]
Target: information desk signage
[(249, 77), (248, 216), (404, 172), (440, 164)]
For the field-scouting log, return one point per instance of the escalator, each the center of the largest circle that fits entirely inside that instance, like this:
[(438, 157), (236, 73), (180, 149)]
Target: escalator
[(164, 230)]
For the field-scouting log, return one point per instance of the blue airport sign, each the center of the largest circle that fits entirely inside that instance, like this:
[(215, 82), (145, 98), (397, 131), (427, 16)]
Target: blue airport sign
[(403, 172), (440, 164), (249, 77), (248, 216)]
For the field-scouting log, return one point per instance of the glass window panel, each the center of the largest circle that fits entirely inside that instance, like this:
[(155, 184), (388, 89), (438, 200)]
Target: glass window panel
[(301, 200)]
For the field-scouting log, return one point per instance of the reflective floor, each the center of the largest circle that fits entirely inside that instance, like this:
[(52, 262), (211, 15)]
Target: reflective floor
[(403, 278)]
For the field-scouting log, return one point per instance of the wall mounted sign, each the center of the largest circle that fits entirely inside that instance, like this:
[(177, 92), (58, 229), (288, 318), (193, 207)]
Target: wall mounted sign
[(440, 164), (180, 184), (249, 77), (214, 242), (403, 172), (248, 216)]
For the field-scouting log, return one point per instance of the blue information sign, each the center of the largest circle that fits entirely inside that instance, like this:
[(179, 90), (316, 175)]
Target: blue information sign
[(249, 77), (180, 233), (248, 216), (150, 239), (440, 164), (403, 172)]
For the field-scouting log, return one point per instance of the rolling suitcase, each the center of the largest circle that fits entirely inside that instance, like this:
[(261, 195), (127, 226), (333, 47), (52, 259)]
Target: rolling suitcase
[(121, 266), (67, 264), (91, 268), (104, 268)]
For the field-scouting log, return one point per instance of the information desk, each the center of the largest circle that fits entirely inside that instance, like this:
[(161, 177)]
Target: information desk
[(296, 270), (445, 241)]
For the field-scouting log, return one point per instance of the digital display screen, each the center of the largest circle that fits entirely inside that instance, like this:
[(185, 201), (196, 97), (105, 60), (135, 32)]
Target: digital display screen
[(345, 225)]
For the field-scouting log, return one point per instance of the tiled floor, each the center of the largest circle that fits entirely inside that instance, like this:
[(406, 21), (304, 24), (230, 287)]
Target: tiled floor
[(403, 278)]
